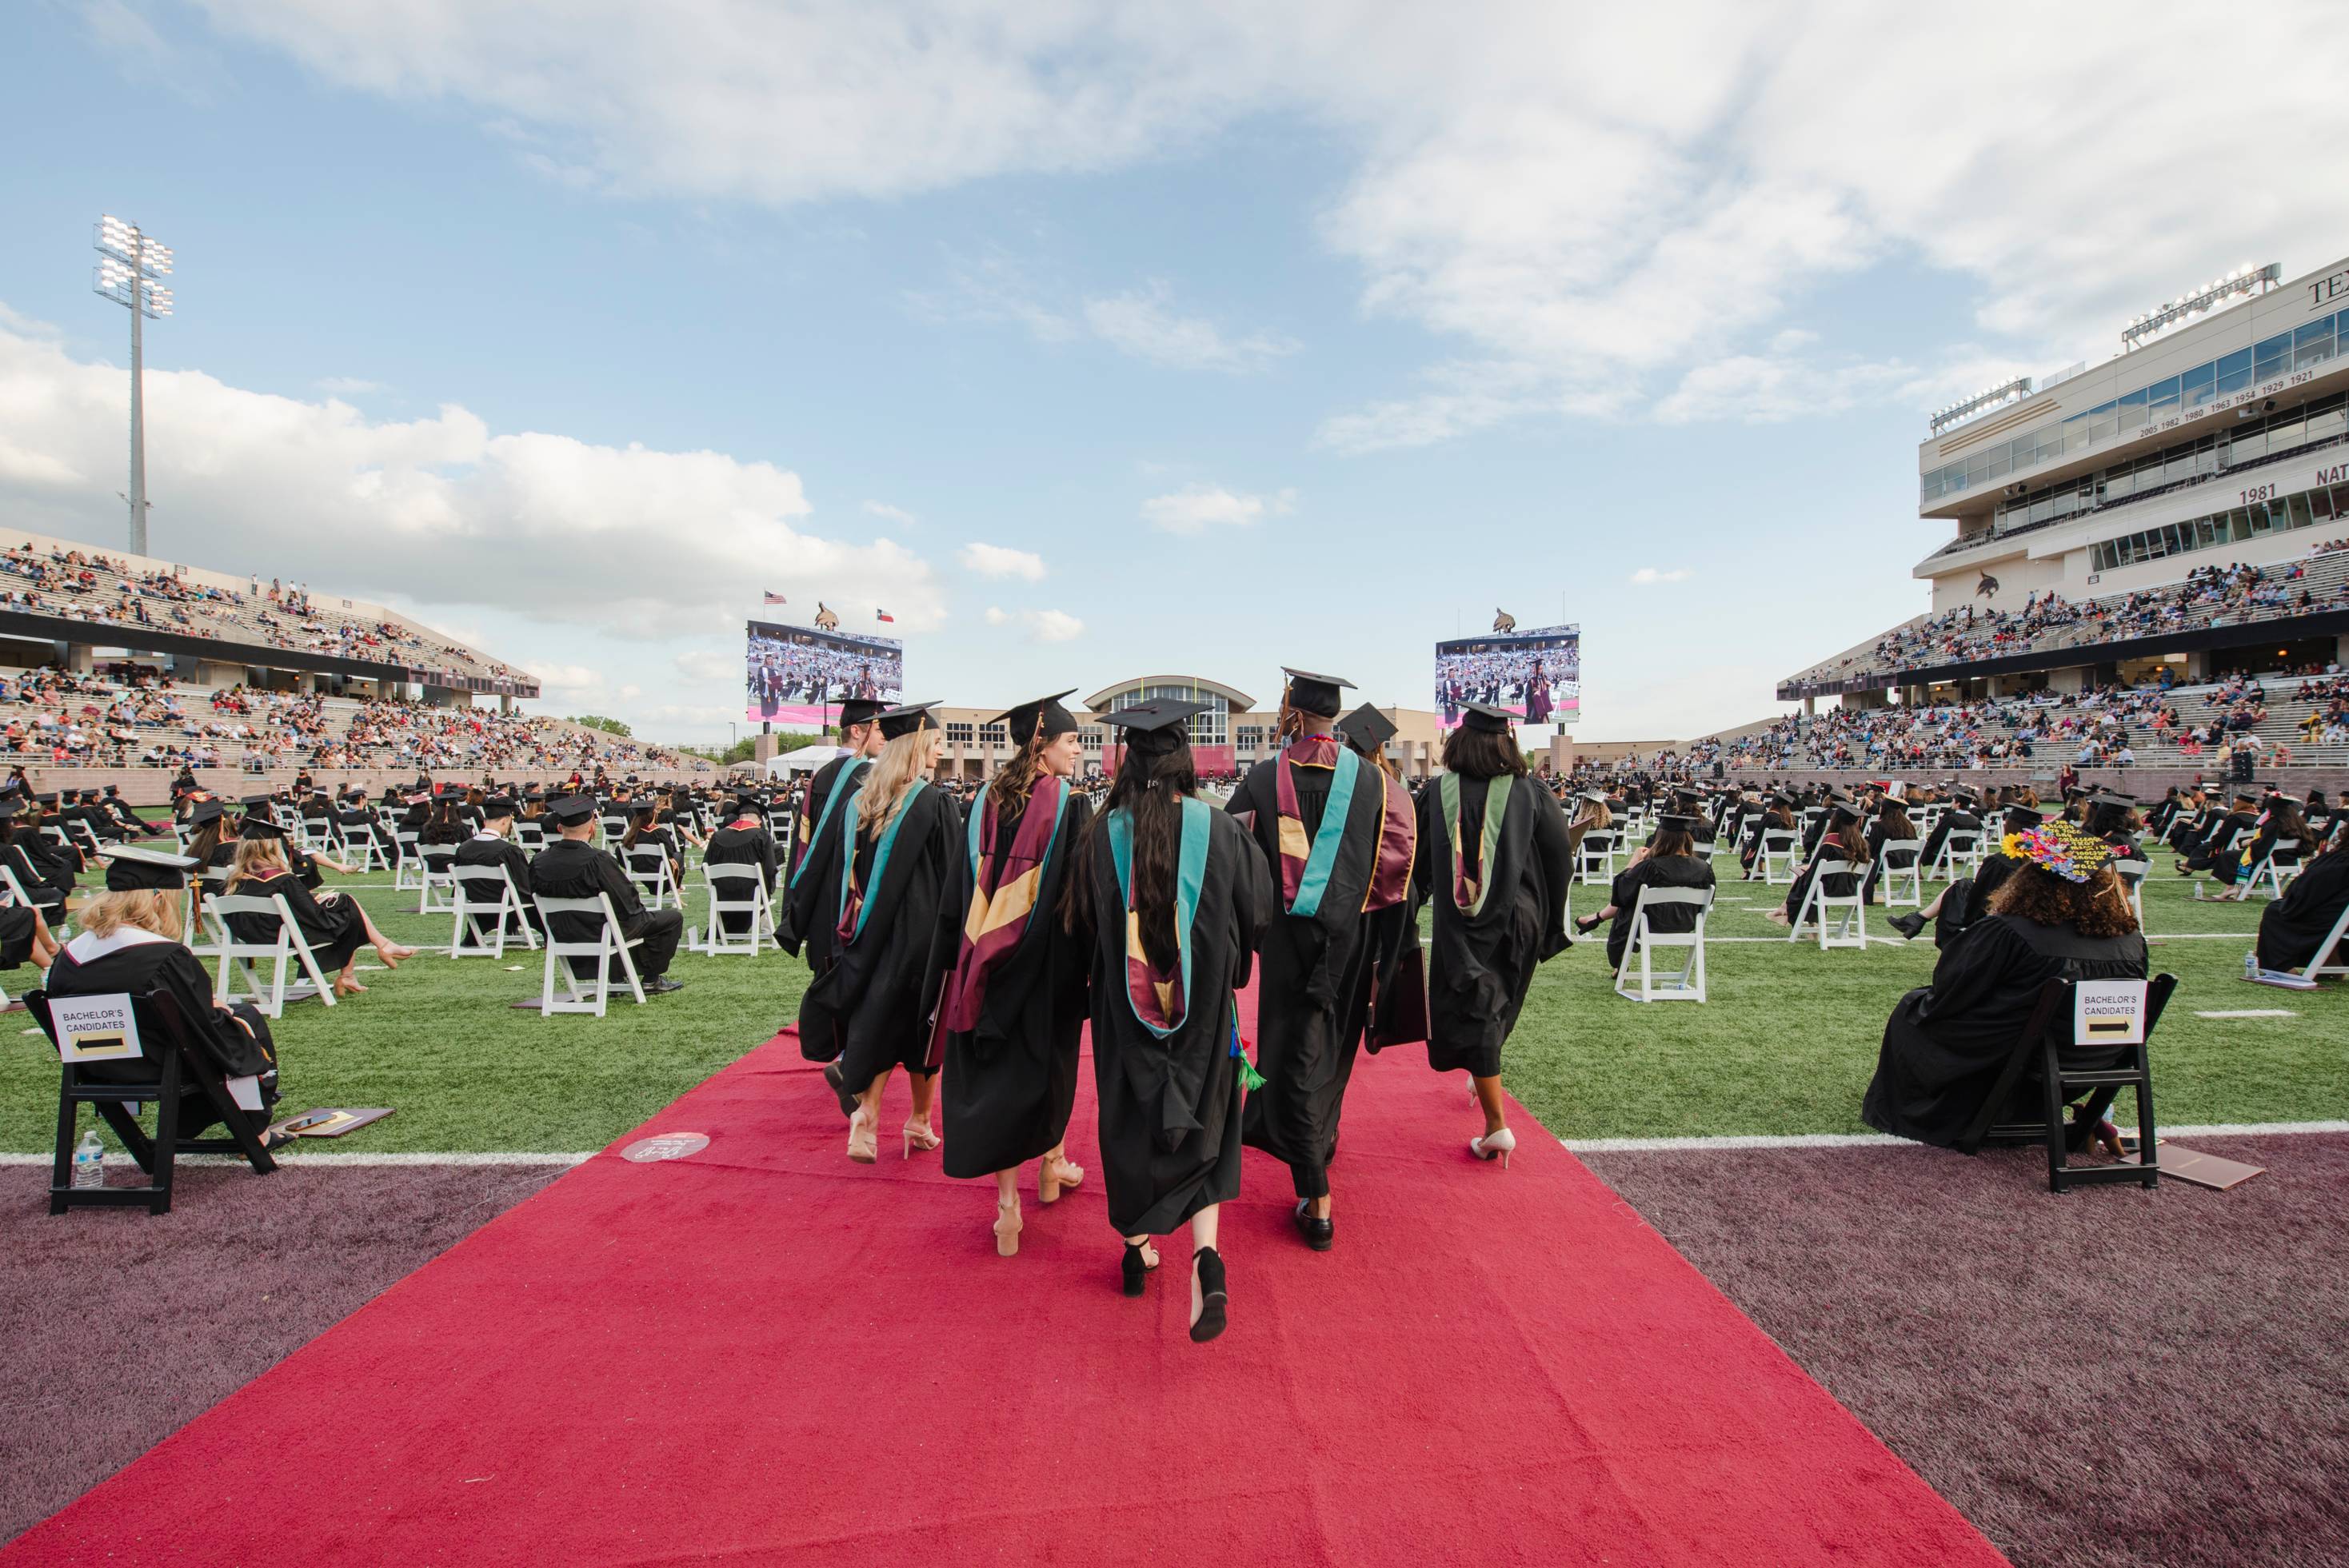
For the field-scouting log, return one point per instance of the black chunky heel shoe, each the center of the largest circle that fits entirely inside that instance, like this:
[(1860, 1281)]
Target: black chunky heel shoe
[(1136, 1266), (1207, 1269), (1908, 925)]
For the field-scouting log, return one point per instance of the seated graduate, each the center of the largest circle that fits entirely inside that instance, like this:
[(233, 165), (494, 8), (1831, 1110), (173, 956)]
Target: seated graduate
[(2113, 818), (2060, 913), (62, 857), (1967, 900), (129, 941), (260, 812), (92, 814), (2210, 850), (647, 836), (444, 829), (361, 821), (571, 867), (332, 923), (24, 928), (1961, 815), (2292, 926), (118, 810), (493, 845), (742, 839), (1670, 860), (46, 885), (1840, 844), (1890, 826), (2279, 824)]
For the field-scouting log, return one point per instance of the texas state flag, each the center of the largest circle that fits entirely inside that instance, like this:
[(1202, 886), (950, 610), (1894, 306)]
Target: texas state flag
[(883, 616)]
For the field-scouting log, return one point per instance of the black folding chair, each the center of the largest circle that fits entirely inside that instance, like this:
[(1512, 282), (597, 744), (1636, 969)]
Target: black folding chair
[(2066, 1066), (173, 1059)]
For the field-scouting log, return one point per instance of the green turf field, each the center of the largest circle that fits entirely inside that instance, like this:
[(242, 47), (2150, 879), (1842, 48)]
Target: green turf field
[(1785, 1046)]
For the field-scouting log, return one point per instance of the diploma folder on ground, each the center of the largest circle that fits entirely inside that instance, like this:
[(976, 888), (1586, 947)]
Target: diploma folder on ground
[(329, 1121)]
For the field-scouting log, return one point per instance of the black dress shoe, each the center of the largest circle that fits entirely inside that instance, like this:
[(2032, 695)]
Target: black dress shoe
[(1909, 925), (1318, 1234), (662, 985), (1586, 924), (1208, 1266)]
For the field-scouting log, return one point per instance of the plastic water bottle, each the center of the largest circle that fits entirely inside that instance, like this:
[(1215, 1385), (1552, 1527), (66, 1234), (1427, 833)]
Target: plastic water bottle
[(2251, 965), (89, 1161)]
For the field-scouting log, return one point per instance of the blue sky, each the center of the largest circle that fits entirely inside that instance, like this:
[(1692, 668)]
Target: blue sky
[(1182, 340)]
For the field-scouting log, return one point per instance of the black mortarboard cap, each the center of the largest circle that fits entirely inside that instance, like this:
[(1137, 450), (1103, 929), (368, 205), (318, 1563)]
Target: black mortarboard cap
[(498, 806), (250, 801), (8, 808), (1485, 717), (859, 710), (1156, 728), (204, 811), (744, 805), (1310, 693), (1367, 730), (1023, 720), (910, 719), (49, 798), (2017, 808), (130, 869), (571, 809), (1678, 824), (260, 827)]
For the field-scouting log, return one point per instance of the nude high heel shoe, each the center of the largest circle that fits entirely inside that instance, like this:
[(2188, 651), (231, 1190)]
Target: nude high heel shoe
[(1057, 1176), (1494, 1144), (861, 1139), (1007, 1228), (918, 1135)]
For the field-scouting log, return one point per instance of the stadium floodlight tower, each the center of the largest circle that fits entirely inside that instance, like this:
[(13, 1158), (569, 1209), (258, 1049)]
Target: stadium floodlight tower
[(128, 263)]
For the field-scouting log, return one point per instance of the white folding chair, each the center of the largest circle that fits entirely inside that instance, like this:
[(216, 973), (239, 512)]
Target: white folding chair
[(2332, 956), (2132, 874), (2277, 875), (1594, 858), (468, 939), (1960, 847), (530, 836), (410, 876), (361, 849), (648, 869), (1777, 855), (435, 887), (1683, 985), (737, 889), (1851, 927), (588, 996), (1893, 874), (238, 956)]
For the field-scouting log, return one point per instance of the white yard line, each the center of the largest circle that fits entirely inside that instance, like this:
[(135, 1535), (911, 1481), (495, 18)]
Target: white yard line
[(1869, 1140), (2250, 1013)]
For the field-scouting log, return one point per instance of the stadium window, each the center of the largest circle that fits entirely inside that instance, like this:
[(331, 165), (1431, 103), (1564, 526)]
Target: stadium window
[(2198, 385), (2132, 413), (2161, 399), (2312, 344), (2272, 357), (2234, 371)]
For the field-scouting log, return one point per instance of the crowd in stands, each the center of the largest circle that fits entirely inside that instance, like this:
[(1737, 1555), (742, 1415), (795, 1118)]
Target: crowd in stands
[(87, 586), (2208, 595)]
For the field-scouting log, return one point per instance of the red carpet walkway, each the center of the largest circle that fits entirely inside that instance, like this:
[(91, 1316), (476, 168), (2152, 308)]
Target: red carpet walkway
[(765, 1354)]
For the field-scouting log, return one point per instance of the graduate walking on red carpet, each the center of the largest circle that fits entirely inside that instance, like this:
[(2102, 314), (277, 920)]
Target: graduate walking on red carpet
[(1015, 1006), (1339, 846), (808, 907), (1171, 899), (895, 857), (1495, 855)]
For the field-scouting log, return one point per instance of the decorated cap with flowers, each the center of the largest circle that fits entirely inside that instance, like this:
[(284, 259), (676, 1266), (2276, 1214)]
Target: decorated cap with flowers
[(2061, 848)]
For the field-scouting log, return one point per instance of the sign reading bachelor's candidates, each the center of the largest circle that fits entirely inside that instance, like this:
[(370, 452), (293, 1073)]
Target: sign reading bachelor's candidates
[(2108, 1012), (95, 1028)]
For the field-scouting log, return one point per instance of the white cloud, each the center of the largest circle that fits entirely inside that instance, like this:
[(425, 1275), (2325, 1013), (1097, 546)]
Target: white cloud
[(887, 513), (1197, 507), (1039, 625), (1143, 323), (1759, 390), (710, 665), (997, 561), (348, 385), (1648, 575), (620, 539), (568, 683), (1516, 185)]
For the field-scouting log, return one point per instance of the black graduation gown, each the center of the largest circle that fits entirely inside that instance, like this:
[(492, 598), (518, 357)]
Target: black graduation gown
[(1316, 986), (1670, 920), (1171, 1108), (18, 927), (334, 928), (2212, 854), (871, 1007), (42, 882), (744, 847), (1479, 969), (139, 967), (1011, 1082), (2291, 926), (488, 849), (1826, 861), (811, 903), (1946, 1044)]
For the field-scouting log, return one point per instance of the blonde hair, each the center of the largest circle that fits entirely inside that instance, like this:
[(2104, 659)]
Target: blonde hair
[(148, 909), (254, 853), (903, 762)]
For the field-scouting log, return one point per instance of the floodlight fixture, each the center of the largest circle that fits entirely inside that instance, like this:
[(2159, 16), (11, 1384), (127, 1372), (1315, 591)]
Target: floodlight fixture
[(128, 263)]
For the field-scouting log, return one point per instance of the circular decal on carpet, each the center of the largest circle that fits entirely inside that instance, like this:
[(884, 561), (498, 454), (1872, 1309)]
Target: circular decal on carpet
[(666, 1146)]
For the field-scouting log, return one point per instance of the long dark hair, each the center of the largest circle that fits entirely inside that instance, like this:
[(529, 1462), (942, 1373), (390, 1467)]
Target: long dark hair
[(643, 821), (1480, 754), (1152, 788), (1894, 819), (1016, 780)]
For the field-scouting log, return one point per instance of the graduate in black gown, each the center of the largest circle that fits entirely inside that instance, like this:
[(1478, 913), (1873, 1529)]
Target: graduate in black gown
[(571, 867), (2060, 913), (45, 884), (1668, 860), (332, 923), (25, 934), (130, 942), (894, 861), (1170, 897), (809, 909), (1496, 857), (741, 839), (492, 845), (1319, 812), (1015, 1006), (2291, 928), (1398, 1004)]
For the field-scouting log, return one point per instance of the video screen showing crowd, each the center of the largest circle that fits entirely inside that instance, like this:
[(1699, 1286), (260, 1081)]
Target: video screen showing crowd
[(797, 675), (1533, 675)]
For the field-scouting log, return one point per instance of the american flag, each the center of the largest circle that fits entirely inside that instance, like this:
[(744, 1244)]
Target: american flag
[(777, 599)]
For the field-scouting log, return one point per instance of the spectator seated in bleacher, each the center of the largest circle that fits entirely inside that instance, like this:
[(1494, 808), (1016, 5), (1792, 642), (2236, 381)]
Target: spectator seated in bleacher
[(130, 942), (2061, 914), (332, 923)]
